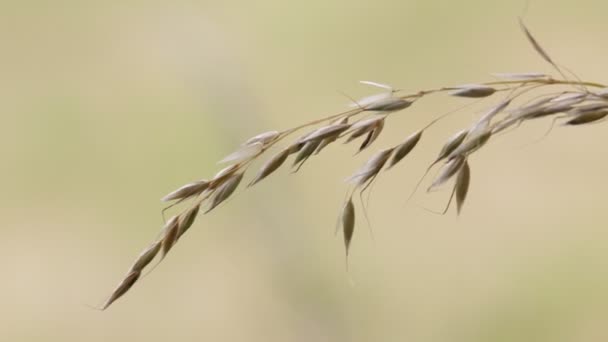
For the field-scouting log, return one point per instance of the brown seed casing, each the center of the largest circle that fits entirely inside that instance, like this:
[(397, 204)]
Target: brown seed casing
[(187, 220), (225, 190), (187, 191), (270, 166), (462, 185), (389, 104), (403, 149), (170, 235), (146, 257), (473, 91), (448, 171), (348, 223), (122, 288)]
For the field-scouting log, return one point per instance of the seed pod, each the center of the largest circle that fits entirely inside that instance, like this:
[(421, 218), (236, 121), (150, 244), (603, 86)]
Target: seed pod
[(326, 132), (364, 126), (449, 169), (462, 185), (405, 148), (371, 168), (243, 153), (589, 108), (530, 109), (535, 44), (146, 257), (473, 90), (122, 288), (570, 96), (487, 117), (225, 190), (471, 145), (270, 166), (305, 153), (187, 220), (187, 191), (170, 235), (389, 104), (452, 143), (368, 100), (348, 223), (587, 117), (524, 76), (372, 136), (330, 140), (263, 138), (222, 175)]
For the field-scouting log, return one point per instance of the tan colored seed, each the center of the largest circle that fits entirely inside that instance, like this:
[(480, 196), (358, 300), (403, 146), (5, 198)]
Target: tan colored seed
[(225, 190), (452, 143), (187, 191), (403, 149), (462, 185), (389, 104), (473, 90), (447, 172), (187, 220), (270, 166), (122, 288), (170, 235), (348, 223), (587, 117), (146, 256)]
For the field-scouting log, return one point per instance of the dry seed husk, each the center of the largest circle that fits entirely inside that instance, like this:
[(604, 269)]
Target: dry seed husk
[(170, 235), (462, 185), (330, 140), (557, 107), (588, 108), (473, 90), (187, 191), (487, 117), (270, 166), (403, 149), (146, 256), (244, 153), (122, 288), (471, 145), (523, 76), (225, 190), (587, 117), (531, 108), (359, 128), (326, 132), (348, 223), (371, 167), (535, 44), (222, 175), (448, 171), (264, 138), (569, 96), (306, 151), (372, 136), (389, 104), (452, 144), (187, 220)]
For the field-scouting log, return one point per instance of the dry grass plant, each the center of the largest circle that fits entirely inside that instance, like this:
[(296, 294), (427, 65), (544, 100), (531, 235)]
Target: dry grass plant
[(580, 103)]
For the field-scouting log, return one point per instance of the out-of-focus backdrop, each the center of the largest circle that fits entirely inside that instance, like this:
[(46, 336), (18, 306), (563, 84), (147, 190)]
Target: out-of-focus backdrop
[(106, 106)]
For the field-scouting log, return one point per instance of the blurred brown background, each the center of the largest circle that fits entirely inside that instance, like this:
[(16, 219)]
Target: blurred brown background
[(108, 105)]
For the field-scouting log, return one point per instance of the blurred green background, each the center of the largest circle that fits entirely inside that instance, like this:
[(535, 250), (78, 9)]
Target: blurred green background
[(108, 105)]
